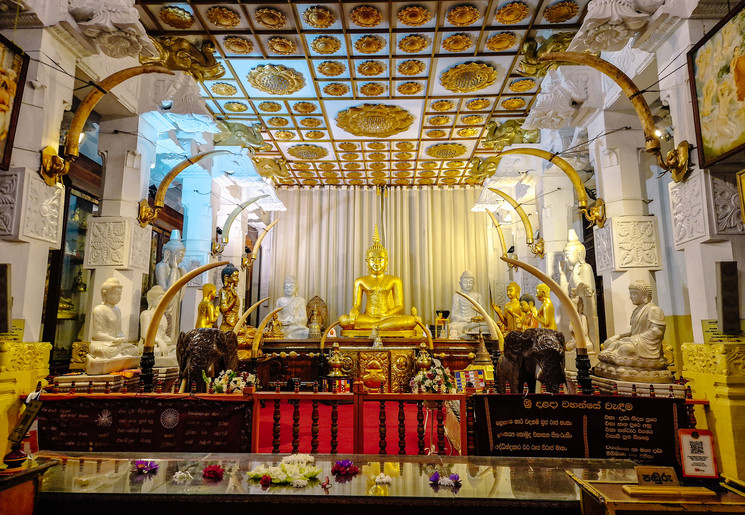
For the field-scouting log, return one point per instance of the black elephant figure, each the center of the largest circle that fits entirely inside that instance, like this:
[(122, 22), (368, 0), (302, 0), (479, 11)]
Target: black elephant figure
[(534, 354), (208, 350)]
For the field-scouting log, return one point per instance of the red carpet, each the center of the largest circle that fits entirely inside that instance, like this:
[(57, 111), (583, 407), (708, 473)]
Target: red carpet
[(345, 436)]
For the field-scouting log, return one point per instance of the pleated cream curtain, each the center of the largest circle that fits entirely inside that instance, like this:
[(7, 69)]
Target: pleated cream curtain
[(431, 234)]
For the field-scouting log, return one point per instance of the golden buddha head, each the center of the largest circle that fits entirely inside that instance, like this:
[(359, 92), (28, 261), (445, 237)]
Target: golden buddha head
[(377, 255), (542, 291), (513, 290), (229, 275), (209, 291)]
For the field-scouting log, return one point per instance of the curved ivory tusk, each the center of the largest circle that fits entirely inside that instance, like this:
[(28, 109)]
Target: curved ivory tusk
[(428, 334), (152, 329), (256, 248), (537, 247), (260, 332), (566, 302), (499, 230), (326, 333), (232, 216), (244, 316), (493, 327), (72, 142)]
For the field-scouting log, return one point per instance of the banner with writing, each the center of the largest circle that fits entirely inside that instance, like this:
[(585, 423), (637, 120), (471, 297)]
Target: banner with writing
[(574, 426), (145, 424)]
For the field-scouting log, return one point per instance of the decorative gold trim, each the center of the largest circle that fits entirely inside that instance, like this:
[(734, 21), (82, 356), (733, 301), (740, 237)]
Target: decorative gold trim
[(472, 119), (478, 104), (285, 135), (376, 145), (513, 103), (282, 46), (270, 107), (411, 67), (235, 107), (276, 79), (414, 15), (413, 43), (325, 45), (409, 88), (336, 89), (370, 68), (561, 12), (501, 42), (366, 16), (446, 150), (307, 152), (442, 105), (314, 134), (331, 68), (270, 18), (369, 44), (457, 43), (468, 77), (238, 45), (512, 13), (438, 120), (223, 17), (372, 89), (311, 123), (176, 17), (223, 89), (522, 85), (436, 133), (463, 15), (404, 145), (319, 17), (304, 107)]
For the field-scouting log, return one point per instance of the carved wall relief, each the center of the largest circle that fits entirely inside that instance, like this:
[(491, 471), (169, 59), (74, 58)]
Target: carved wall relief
[(604, 248), (118, 242), (725, 204), (140, 250), (11, 190), (635, 242), (687, 208), (43, 211)]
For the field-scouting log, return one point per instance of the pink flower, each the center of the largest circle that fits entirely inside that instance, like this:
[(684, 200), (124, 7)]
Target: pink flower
[(266, 480), (213, 472)]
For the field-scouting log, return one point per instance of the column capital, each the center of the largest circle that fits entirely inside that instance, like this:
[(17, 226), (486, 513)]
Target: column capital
[(628, 243), (117, 242)]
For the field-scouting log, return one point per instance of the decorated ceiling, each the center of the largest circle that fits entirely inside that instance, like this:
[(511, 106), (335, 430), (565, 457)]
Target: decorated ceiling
[(391, 93)]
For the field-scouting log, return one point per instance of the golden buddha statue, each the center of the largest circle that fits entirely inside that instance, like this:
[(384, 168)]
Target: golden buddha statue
[(207, 312), (546, 311), (384, 300), (512, 310), (229, 303)]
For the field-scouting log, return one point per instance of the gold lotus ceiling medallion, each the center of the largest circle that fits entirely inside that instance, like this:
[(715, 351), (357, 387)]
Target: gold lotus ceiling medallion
[(314, 134), (223, 89), (347, 146), (284, 135), (402, 156), (428, 174), (304, 107), (411, 67), (451, 173), (378, 174), (457, 43), (366, 16), (319, 17), (370, 68), (439, 120), (301, 166), (442, 105), (238, 45), (409, 88), (235, 107), (331, 68), (561, 12), (374, 120), (353, 166), (325, 45), (277, 122), (282, 46), (307, 151), (306, 175), (336, 89), (414, 15), (449, 181), (468, 77), (473, 119), (270, 18), (377, 166), (522, 85), (270, 107), (436, 133), (333, 181), (404, 145), (223, 17), (501, 42), (446, 150), (512, 13), (455, 164), (477, 104), (176, 17), (513, 103), (429, 165), (376, 145), (372, 89), (369, 44), (403, 166), (467, 133), (426, 182), (351, 156), (377, 156), (310, 123), (310, 182), (276, 79), (413, 43), (463, 15)]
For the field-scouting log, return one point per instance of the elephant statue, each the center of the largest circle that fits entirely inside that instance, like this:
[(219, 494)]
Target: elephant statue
[(207, 349), (530, 355), (531, 65), (241, 135), (500, 135)]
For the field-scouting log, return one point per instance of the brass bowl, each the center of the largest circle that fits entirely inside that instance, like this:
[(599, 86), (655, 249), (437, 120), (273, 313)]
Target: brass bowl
[(370, 68), (270, 18), (331, 68), (223, 17), (463, 15), (325, 45), (414, 16), (501, 42), (366, 16), (319, 17), (411, 67), (176, 17), (238, 45)]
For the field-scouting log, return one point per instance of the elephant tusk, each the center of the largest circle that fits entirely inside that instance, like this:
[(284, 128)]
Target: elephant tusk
[(493, 327), (152, 330), (326, 333), (499, 231), (261, 237), (535, 246), (428, 334), (232, 216), (260, 332), (244, 316)]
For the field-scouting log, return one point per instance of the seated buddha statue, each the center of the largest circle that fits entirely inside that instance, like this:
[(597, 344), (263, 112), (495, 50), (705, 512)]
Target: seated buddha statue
[(384, 297)]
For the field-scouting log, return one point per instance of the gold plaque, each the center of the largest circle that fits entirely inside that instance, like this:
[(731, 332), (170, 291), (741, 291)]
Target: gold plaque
[(372, 89), (336, 89), (314, 134), (457, 43), (347, 146), (325, 44), (235, 107), (223, 17), (513, 103), (350, 156), (284, 135), (467, 133), (331, 68), (409, 88), (446, 150), (270, 107), (369, 44), (411, 67), (276, 79), (307, 151), (414, 16), (512, 13), (366, 16), (463, 15), (319, 17), (377, 156), (310, 122), (404, 145), (439, 120), (370, 68), (468, 77), (304, 107), (270, 18), (223, 89), (477, 104), (501, 42), (436, 133), (376, 145), (238, 45), (472, 119), (277, 122), (442, 105), (282, 46), (176, 17), (522, 85), (413, 44), (561, 12)]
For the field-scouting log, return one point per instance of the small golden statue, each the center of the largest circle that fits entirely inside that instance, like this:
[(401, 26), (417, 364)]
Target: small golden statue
[(545, 314), (529, 319), (385, 300), (512, 310), (274, 328), (207, 312), (229, 303)]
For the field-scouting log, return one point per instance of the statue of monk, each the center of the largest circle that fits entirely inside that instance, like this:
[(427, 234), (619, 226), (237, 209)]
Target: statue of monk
[(230, 305), (384, 306), (546, 312), (512, 310), (206, 312)]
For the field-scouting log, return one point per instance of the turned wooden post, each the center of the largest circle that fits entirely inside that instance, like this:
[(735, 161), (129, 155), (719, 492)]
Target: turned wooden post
[(314, 428), (401, 424), (470, 429), (440, 429), (295, 426), (420, 425), (381, 428), (334, 426), (275, 427)]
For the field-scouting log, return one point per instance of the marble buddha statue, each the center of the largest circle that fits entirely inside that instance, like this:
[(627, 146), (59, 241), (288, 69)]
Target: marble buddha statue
[(230, 305), (207, 313), (545, 313), (577, 271), (384, 297), (167, 272), (463, 316), (512, 311), (109, 350), (637, 355), (165, 350), (293, 316)]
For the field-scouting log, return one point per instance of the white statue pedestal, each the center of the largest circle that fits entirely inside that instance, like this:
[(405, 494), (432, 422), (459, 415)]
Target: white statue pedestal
[(97, 366), (626, 388)]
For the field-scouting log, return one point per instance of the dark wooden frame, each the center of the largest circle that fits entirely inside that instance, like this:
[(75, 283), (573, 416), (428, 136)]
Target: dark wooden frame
[(7, 148), (702, 163)]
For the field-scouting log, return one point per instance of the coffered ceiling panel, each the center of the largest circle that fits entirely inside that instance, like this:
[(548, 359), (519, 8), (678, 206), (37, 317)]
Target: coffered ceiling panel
[(380, 93)]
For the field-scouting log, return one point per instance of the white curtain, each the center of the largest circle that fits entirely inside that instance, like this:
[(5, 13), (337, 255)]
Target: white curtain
[(431, 234)]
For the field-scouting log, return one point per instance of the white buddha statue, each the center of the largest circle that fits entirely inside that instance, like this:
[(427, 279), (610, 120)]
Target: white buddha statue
[(577, 270), (167, 272), (293, 317), (109, 350), (464, 318), (165, 352)]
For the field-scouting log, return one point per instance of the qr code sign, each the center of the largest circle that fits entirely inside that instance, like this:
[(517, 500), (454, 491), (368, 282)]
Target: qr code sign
[(696, 447)]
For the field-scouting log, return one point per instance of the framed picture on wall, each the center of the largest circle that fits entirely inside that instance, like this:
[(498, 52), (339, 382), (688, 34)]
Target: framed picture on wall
[(716, 67), (741, 191), (13, 67)]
